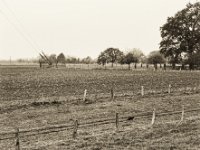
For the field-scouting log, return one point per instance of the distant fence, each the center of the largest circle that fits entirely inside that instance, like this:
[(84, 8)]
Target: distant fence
[(117, 66), (142, 91), (98, 66)]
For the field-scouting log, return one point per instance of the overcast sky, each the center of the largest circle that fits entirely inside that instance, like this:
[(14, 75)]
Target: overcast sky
[(81, 27)]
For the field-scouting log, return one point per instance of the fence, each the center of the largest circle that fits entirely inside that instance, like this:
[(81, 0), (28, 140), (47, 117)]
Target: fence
[(77, 124), (122, 66), (142, 92)]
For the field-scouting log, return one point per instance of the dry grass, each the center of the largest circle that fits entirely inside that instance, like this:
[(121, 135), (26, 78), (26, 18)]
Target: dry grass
[(26, 112)]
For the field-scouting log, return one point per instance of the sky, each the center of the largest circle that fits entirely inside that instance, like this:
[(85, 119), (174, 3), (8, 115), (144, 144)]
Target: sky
[(81, 28)]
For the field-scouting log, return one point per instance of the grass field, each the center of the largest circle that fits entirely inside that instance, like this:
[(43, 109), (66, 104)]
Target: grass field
[(34, 98)]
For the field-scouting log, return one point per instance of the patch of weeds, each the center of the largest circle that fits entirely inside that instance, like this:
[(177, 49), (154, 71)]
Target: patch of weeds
[(35, 104)]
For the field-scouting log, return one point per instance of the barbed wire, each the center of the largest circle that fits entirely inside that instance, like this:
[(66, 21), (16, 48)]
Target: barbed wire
[(63, 127)]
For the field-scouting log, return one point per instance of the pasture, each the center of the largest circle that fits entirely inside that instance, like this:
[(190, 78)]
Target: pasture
[(52, 99)]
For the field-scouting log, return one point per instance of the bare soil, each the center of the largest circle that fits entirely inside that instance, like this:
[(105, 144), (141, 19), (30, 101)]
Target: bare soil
[(33, 98)]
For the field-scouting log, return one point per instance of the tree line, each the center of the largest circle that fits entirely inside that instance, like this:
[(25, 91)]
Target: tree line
[(54, 59), (180, 44), (110, 55), (134, 56)]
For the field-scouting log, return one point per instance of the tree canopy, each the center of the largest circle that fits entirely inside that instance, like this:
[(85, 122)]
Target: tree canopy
[(110, 55), (138, 54), (61, 58), (130, 58), (87, 60), (155, 58), (102, 58), (181, 34), (53, 58)]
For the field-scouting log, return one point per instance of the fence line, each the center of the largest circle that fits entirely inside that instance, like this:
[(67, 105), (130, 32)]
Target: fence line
[(113, 94), (63, 127)]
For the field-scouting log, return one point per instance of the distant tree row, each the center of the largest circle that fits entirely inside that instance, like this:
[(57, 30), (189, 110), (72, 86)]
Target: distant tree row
[(114, 55), (53, 59), (180, 43)]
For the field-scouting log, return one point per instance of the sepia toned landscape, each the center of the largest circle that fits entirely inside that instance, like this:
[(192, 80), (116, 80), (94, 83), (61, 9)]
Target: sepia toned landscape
[(99, 75)]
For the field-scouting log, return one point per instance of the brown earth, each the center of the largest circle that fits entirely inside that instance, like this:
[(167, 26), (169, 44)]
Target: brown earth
[(34, 98)]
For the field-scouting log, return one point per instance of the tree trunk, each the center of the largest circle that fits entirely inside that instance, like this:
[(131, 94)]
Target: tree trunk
[(182, 67), (112, 64), (105, 67), (129, 66), (155, 66), (135, 65), (191, 66), (165, 66), (173, 66)]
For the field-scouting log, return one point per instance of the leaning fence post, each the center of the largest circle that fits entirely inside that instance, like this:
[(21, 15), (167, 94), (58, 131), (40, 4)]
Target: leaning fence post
[(17, 146), (95, 95), (84, 95), (182, 114), (75, 129), (112, 93), (169, 88), (142, 90), (117, 121), (194, 88), (153, 116)]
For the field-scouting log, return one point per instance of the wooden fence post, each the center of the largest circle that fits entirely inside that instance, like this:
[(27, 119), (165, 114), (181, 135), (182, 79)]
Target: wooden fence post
[(142, 90), (75, 129), (153, 116), (112, 93), (169, 88), (17, 146), (84, 95), (117, 121), (95, 96), (182, 114), (194, 88)]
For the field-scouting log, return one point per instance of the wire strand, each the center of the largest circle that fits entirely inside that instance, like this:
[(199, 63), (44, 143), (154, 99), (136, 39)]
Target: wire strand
[(21, 24), (19, 31)]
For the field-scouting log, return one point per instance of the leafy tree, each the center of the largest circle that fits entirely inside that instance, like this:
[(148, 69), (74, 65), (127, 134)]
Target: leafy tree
[(155, 58), (53, 59), (87, 60), (61, 58), (192, 59), (72, 60), (122, 60), (143, 59), (130, 58), (102, 58), (138, 53), (181, 34), (113, 55)]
